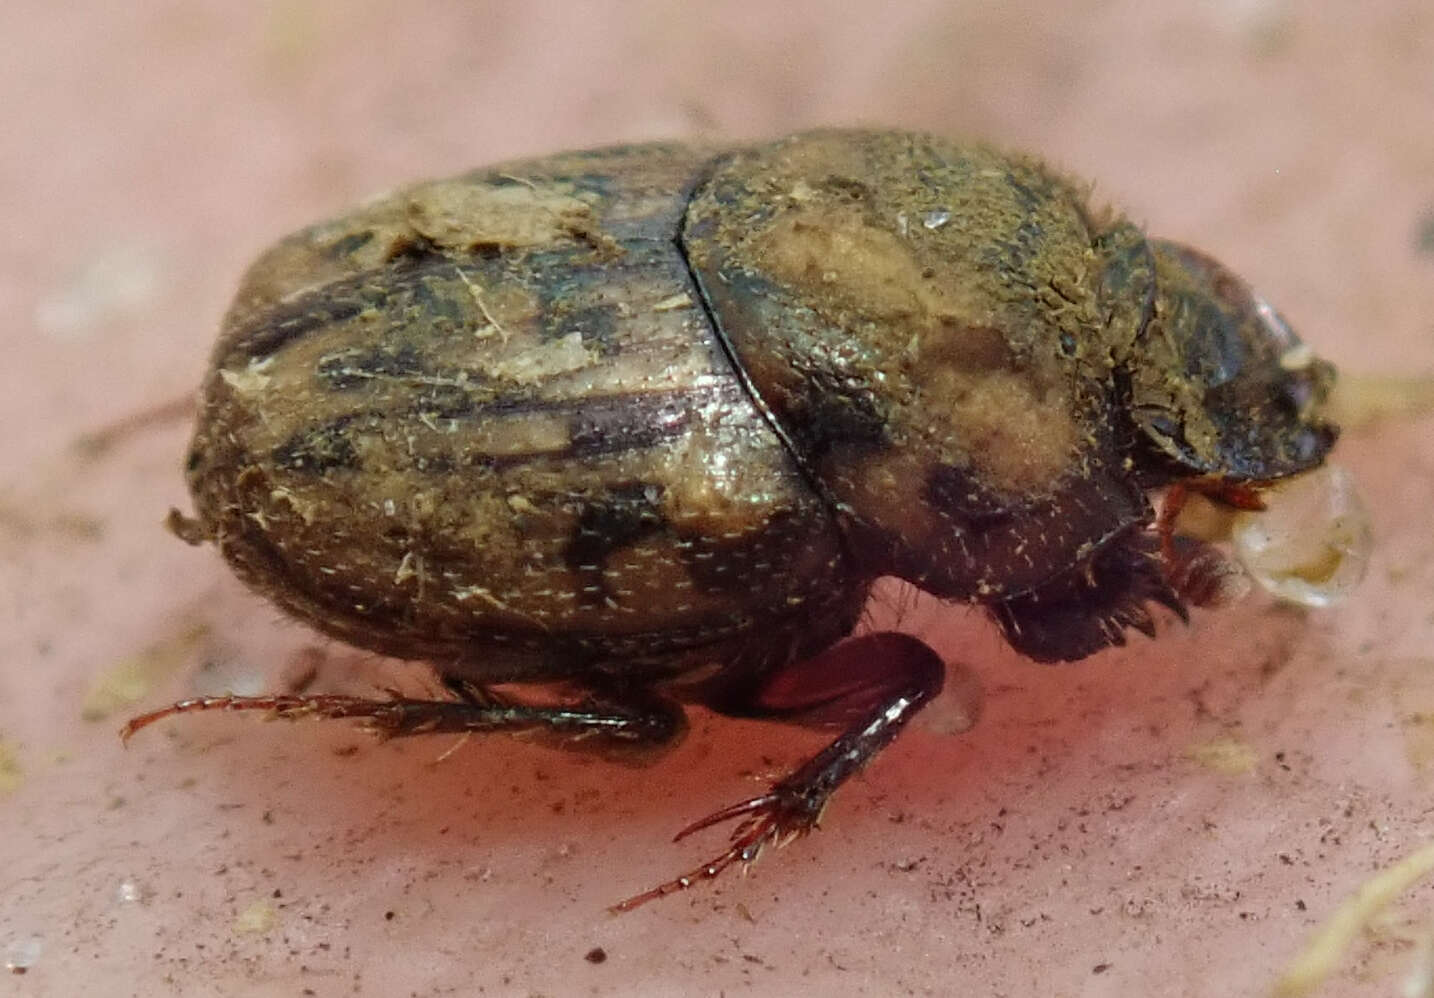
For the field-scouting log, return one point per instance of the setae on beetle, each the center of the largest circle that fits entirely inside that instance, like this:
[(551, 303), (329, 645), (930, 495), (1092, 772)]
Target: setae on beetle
[(649, 421)]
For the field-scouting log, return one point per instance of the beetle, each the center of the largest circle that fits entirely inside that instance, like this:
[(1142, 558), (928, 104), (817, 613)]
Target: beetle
[(649, 421)]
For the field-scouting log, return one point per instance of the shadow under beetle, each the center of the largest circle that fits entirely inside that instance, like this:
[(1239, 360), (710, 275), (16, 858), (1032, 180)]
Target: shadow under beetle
[(649, 421)]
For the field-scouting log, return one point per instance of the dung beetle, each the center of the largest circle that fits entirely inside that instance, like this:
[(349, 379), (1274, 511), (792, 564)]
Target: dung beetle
[(649, 421)]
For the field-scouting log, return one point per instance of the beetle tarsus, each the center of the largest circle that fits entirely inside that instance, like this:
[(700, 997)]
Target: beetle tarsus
[(287, 706), (755, 804), (901, 676), (478, 709), (771, 823)]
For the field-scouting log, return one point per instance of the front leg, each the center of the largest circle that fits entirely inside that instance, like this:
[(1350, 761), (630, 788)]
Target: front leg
[(873, 684)]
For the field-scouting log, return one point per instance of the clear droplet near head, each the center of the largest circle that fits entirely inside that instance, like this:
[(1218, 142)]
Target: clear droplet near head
[(1311, 543)]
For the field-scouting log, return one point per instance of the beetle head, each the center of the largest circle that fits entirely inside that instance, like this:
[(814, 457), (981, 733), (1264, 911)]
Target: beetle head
[(1221, 386)]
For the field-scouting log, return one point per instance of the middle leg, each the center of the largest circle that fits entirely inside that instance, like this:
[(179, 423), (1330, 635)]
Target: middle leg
[(630, 717), (871, 686)]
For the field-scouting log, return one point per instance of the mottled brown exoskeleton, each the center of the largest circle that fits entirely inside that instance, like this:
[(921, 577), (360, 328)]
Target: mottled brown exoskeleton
[(649, 421)]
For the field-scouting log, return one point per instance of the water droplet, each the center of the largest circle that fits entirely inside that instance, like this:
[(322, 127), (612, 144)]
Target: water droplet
[(1311, 544)]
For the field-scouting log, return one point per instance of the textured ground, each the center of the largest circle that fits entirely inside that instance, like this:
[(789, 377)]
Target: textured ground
[(1173, 819)]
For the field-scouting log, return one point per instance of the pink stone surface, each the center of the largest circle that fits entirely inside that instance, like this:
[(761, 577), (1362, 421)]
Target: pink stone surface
[(1170, 819)]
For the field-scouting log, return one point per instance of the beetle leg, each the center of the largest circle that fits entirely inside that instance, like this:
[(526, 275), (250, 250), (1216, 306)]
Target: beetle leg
[(1170, 506), (876, 683), (1199, 572), (1203, 575), (1235, 495), (1090, 606), (646, 720)]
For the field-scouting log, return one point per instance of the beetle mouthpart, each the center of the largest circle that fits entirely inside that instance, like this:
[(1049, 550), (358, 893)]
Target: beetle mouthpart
[(1311, 544)]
